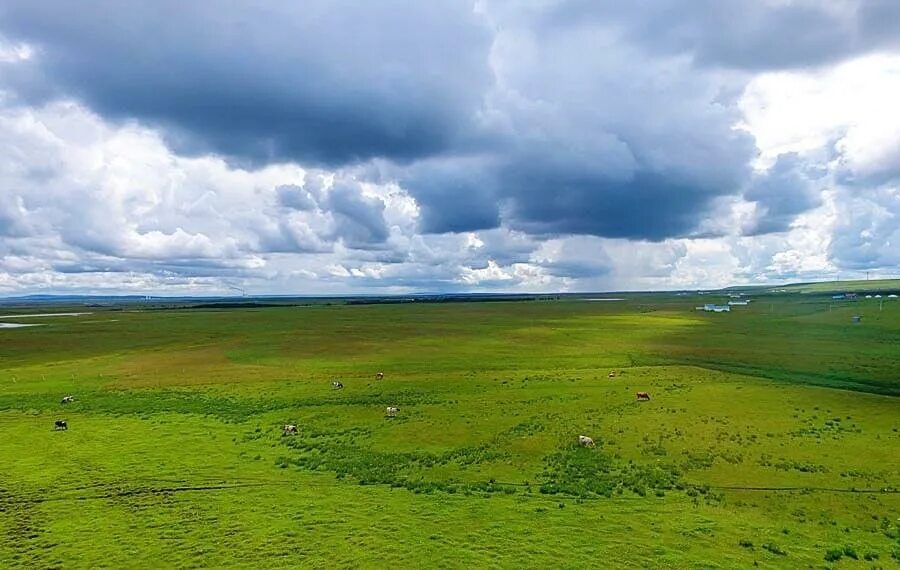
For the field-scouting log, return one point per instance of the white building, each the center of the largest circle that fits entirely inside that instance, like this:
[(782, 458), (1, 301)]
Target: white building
[(713, 308)]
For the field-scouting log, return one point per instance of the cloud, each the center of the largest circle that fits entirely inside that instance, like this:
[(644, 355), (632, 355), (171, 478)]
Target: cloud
[(359, 218), (753, 35), (324, 83), (12, 219), (393, 146), (832, 132), (486, 119), (455, 195), (575, 258), (84, 196), (574, 148), (867, 232), (786, 190), (296, 197)]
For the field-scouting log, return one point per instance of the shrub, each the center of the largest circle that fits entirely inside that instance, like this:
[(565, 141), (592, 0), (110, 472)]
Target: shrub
[(834, 554), (870, 556), (746, 543), (850, 552), (774, 549)]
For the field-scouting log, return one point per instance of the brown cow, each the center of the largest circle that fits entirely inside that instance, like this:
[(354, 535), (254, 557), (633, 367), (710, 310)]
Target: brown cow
[(643, 396)]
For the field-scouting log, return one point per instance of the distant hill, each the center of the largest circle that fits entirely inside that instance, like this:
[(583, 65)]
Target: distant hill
[(820, 288), (858, 286)]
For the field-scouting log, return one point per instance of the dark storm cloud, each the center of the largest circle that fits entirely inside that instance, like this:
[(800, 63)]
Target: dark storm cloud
[(746, 34), (608, 144), (318, 81), (576, 269), (506, 247), (649, 206), (456, 195), (786, 190), (612, 119), (360, 219)]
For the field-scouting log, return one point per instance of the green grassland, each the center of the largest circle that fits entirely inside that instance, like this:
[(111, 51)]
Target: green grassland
[(772, 437), (874, 285)]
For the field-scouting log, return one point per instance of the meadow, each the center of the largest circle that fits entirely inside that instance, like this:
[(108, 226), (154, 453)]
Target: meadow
[(772, 438)]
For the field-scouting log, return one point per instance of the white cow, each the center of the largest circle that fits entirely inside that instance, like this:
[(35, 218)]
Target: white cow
[(392, 411), (585, 441), (336, 385), (67, 400), (379, 375), (289, 429)]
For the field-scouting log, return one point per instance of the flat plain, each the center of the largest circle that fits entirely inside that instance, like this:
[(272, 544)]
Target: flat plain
[(772, 437)]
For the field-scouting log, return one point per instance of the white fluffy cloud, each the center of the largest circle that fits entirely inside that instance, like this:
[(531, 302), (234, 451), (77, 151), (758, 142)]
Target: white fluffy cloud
[(842, 120)]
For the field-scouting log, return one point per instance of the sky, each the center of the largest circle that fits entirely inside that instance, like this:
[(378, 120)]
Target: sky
[(390, 146)]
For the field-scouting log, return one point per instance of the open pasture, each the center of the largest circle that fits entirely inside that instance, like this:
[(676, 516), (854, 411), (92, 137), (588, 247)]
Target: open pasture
[(772, 436)]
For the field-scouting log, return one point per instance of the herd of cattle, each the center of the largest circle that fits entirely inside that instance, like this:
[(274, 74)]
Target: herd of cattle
[(390, 411), (63, 424), (585, 441)]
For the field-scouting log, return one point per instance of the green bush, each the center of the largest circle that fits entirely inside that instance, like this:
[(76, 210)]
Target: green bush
[(850, 552), (834, 554), (774, 549), (746, 543)]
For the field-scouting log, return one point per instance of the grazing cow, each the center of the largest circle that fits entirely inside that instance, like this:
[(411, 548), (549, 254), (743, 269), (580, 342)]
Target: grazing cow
[(643, 396), (336, 385), (60, 425), (585, 441), (67, 400), (612, 374), (379, 376), (392, 411), (289, 429)]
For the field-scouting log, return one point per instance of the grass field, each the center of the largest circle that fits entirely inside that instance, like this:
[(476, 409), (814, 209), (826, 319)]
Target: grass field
[(772, 436), (875, 285)]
